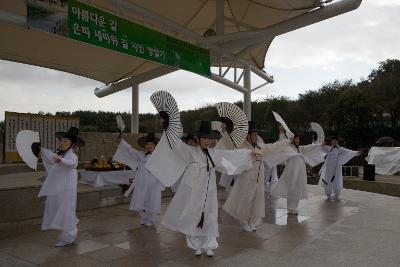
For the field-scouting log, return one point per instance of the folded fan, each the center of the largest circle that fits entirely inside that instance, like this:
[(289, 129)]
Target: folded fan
[(121, 125), (28, 147), (235, 120), (317, 128), (168, 110), (279, 119)]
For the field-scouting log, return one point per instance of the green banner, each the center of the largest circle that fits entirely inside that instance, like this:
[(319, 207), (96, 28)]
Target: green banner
[(97, 27)]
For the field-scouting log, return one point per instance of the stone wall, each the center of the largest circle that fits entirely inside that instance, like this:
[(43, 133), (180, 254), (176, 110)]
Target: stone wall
[(98, 144)]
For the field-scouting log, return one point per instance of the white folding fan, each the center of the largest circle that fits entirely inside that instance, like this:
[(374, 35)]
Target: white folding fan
[(121, 125), (317, 128), (164, 102), (279, 119), (240, 127), (28, 147)]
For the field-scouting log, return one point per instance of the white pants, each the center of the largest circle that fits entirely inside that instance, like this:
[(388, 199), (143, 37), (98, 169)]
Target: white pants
[(147, 218), (201, 242), (270, 186), (331, 189), (68, 236), (252, 221), (292, 204)]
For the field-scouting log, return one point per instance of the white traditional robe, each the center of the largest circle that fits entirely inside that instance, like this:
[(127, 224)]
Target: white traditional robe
[(227, 181), (60, 188), (225, 143), (197, 192), (270, 177), (175, 186), (271, 173), (146, 197), (292, 184), (246, 201), (331, 171)]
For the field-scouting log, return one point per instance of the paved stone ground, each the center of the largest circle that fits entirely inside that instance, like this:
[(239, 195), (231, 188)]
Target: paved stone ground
[(360, 230)]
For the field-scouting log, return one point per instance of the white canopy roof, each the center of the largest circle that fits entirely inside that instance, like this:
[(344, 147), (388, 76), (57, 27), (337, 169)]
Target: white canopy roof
[(184, 19)]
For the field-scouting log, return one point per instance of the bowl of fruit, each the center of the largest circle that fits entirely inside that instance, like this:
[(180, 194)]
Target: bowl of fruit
[(103, 165)]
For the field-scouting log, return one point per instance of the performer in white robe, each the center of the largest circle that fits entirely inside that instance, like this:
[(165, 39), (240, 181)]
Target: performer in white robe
[(292, 184), (60, 188), (246, 201), (331, 172), (146, 197), (193, 210)]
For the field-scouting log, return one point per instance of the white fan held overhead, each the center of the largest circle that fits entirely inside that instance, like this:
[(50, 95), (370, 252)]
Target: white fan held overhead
[(121, 125), (28, 147), (169, 112), (279, 119), (317, 128), (235, 120)]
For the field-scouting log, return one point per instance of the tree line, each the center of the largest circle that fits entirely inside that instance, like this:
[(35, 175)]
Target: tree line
[(359, 113)]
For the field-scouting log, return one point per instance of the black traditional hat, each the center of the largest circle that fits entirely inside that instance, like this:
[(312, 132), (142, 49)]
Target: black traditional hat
[(252, 127), (150, 138), (333, 135), (206, 131), (73, 135), (295, 133), (189, 136)]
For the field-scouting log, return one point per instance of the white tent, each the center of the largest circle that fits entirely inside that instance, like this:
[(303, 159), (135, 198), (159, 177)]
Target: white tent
[(238, 32)]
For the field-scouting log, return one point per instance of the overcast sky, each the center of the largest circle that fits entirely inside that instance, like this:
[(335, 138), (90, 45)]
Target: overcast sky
[(346, 47)]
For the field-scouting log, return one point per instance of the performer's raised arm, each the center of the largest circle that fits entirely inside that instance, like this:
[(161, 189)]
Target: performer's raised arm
[(127, 155), (276, 147), (313, 154), (233, 162), (346, 154), (48, 158), (171, 156), (70, 162)]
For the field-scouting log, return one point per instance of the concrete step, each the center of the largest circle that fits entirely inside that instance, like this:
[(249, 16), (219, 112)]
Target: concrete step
[(385, 185), (22, 167), (22, 203), (17, 204)]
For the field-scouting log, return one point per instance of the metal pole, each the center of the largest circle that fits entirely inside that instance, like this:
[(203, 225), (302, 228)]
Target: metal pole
[(247, 93), (128, 82), (135, 109), (219, 27), (262, 74), (228, 83)]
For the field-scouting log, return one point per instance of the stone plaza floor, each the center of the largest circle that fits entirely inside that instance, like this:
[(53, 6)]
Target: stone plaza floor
[(362, 229)]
